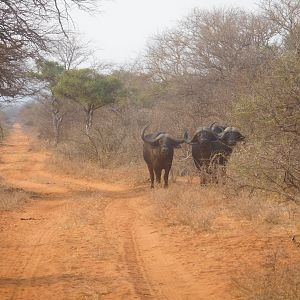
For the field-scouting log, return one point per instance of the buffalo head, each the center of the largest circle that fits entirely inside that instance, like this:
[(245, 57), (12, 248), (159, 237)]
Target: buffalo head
[(202, 134), (231, 136), (162, 140)]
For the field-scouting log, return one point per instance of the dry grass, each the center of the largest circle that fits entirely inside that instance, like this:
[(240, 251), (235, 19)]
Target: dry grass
[(11, 198), (202, 207), (91, 170), (261, 209), (188, 203), (278, 278), (193, 206)]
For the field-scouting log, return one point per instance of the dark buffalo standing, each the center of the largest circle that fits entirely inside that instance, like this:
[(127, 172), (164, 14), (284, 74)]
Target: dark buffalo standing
[(211, 149), (158, 151)]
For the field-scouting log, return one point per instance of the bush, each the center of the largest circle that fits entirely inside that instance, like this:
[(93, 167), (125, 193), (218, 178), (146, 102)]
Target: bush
[(270, 160), (279, 278), (192, 206)]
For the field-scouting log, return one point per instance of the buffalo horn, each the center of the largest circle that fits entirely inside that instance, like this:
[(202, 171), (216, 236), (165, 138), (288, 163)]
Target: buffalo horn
[(148, 139)]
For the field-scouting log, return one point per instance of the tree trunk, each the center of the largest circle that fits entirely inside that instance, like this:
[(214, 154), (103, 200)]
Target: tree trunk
[(1, 133), (57, 121), (57, 118), (89, 120)]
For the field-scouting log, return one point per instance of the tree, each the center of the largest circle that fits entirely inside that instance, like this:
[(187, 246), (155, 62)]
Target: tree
[(208, 58), (285, 15), (89, 89), (210, 43), (68, 53), (26, 28), (48, 72), (71, 52)]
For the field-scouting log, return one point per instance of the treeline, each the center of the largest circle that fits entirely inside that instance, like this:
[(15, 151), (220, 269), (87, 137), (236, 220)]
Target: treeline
[(230, 66)]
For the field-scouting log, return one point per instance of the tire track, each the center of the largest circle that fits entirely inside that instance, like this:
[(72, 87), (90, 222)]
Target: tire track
[(135, 265), (119, 223), (34, 259)]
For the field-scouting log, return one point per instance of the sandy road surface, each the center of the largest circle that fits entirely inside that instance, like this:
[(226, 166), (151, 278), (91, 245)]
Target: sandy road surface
[(80, 239)]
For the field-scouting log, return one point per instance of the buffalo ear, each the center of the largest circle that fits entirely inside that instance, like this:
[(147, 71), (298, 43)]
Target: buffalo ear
[(224, 136), (195, 139)]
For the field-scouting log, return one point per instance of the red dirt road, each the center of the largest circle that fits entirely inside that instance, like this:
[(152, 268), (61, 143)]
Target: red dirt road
[(80, 239)]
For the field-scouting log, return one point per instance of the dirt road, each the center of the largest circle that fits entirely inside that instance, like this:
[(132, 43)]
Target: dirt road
[(80, 239)]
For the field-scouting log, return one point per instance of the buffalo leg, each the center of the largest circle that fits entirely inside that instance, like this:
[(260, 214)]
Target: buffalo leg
[(205, 173), (202, 171), (158, 175), (151, 176), (166, 177)]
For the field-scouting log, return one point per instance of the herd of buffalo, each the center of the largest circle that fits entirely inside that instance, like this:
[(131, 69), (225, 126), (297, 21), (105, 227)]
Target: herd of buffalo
[(211, 147)]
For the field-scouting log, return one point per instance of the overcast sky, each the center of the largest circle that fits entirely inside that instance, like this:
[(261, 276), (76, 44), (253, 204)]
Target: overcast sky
[(120, 32)]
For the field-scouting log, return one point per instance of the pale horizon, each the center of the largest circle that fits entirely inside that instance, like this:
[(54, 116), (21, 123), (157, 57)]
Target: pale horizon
[(121, 31)]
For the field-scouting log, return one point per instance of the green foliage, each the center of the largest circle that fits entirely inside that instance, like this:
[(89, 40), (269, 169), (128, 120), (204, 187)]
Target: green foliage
[(139, 90), (48, 71), (88, 88)]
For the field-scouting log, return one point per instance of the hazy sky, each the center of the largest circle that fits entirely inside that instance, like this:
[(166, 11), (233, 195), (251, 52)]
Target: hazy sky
[(121, 31)]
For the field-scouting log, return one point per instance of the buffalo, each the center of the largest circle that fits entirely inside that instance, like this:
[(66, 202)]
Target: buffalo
[(158, 151), (212, 147)]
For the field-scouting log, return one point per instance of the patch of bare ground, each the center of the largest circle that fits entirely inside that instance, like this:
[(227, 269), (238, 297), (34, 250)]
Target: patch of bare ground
[(86, 237)]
